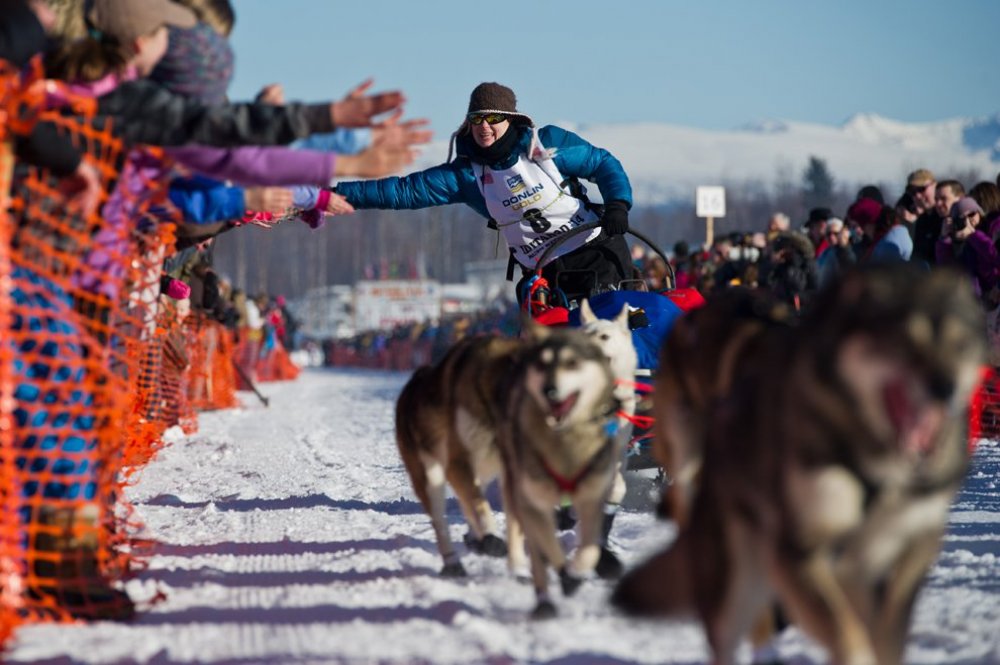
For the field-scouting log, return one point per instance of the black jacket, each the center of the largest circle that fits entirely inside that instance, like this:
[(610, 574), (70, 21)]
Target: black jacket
[(146, 112)]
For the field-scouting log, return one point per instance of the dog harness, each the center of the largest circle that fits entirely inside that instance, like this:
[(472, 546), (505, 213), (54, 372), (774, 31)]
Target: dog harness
[(568, 485)]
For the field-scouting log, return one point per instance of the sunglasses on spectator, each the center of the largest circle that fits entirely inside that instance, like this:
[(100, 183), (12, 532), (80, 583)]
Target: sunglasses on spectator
[(914, 189), (970, 215), (489, 118)]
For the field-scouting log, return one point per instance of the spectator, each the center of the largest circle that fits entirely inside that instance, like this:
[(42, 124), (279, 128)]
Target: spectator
[(870, 192), (838, 256), (892, 239), (864, 216), (946, 194), (816, 229), (920, 184), (963, 242), (987, 195), (791, 276), (779, 223), (906, 208), (683, 262)]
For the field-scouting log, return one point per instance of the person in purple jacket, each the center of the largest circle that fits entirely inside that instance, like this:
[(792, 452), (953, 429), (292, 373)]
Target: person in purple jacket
[(964, 242)]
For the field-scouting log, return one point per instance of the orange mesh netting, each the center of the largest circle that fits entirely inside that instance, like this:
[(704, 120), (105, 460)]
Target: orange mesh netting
[(211, 375), (76, 323), (276, 365), (163, 378), (11, 579)]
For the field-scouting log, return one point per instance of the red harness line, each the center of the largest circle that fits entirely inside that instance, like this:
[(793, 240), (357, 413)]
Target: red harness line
[(643, 422)]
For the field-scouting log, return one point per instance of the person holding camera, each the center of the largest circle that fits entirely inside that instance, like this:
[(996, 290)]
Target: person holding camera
[(964, 243)]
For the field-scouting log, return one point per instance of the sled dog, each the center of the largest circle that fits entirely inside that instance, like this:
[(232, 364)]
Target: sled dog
[(701, 358), (558, 440), (829, 469), (446, 422), (614, 337)]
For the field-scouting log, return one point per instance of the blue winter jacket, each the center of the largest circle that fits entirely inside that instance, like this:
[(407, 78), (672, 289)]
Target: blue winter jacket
[(455, 182)]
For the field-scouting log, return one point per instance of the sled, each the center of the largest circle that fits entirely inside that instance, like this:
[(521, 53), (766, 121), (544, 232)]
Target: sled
[(653, 314)]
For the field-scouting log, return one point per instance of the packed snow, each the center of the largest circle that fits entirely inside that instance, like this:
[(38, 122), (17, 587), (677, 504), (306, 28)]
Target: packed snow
[(290, 534)]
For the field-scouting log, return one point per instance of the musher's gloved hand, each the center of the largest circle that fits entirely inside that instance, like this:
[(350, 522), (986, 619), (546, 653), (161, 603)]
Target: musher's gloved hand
[(615, 220)]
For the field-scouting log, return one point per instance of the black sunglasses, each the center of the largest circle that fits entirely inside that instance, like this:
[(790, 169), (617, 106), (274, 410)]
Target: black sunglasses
[(489, 118)]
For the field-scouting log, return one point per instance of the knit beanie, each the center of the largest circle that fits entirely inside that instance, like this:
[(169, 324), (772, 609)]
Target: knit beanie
[(198, 64), (495, 98), (964, 206), (865, 211)]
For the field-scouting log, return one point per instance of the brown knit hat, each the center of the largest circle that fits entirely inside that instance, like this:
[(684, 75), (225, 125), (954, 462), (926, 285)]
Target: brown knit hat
[(494, 98), (126, 20)]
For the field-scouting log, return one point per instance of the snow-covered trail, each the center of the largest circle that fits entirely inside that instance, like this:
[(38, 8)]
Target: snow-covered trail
[(291, 535)]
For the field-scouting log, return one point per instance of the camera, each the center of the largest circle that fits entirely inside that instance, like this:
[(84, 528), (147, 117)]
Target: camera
[(959, 225)]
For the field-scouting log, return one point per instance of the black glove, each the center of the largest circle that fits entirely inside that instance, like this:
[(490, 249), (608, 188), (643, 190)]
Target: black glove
[(615, 219)]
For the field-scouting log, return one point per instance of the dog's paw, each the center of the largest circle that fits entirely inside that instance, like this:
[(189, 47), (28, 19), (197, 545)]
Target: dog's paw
[(493, 546), (455, 569), (564, 518), (545, 609), (472, 543), (569, 582), (609, 566)]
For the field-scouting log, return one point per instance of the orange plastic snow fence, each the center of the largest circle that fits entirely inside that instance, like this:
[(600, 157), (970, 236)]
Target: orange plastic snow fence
[(211, 376), (78, 314)]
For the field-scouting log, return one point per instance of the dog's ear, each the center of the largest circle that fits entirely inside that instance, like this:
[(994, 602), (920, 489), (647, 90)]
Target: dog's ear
[(586, 313), (533, 330), (622, 318)]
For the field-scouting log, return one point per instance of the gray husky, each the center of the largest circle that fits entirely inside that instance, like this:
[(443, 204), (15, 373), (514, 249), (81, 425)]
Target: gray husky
[(558, 441)]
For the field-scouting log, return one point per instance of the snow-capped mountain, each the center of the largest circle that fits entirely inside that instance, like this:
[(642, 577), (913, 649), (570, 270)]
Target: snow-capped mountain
[(666, 162)]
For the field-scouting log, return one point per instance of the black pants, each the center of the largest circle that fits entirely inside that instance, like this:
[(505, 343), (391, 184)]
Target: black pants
[(597, 266)]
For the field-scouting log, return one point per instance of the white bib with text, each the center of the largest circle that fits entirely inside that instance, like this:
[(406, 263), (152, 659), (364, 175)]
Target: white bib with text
[(531, 210)]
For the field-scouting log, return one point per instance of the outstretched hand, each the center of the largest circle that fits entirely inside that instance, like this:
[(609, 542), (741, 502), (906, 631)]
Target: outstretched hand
[(359, 109), (338, 205), (401, 135), (274, 200), (376, 161), (272, 93)]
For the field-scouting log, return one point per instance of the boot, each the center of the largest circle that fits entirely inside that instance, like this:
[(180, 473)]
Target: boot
[(65, 566), (608, 567)]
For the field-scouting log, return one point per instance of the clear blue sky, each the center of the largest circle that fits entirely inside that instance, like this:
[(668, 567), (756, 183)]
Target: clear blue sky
[(715, 64)]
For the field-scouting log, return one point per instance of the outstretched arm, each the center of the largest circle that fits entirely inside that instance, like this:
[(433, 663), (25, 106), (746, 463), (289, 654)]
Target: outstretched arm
[(148, 113), (440, 185)]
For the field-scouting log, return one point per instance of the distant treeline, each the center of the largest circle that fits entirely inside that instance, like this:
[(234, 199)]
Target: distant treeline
[(291, 259)]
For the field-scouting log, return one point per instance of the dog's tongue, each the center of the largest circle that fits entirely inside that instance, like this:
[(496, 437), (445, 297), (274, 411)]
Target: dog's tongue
[(562, 408), (915, 429)]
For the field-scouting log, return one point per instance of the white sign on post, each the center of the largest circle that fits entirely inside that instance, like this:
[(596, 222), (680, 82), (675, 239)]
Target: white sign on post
[(710, 202)]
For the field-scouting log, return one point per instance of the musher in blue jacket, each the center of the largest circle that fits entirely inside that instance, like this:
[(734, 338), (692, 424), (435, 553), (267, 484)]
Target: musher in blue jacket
[(519, 177)]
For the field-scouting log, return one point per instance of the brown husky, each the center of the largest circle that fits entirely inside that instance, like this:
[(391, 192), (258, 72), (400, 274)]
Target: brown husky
[(829, 469), (558, 440), (701, 359), (446, 422)]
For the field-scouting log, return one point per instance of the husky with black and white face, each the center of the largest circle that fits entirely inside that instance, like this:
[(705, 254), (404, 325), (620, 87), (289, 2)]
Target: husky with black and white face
[(827, 479), (558, 442)]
